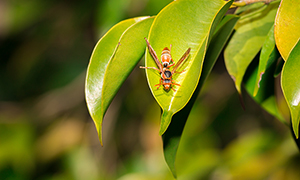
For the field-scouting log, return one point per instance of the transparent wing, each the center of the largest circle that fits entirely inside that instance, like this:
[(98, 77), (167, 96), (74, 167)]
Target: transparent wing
[(153, 54), (184, 56)]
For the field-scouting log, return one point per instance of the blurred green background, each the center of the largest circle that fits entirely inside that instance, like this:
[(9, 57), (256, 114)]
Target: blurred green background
[(46, 131)]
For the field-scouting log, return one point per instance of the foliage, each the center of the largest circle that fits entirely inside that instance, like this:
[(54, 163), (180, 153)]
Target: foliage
[(46, 131), (196, 24)]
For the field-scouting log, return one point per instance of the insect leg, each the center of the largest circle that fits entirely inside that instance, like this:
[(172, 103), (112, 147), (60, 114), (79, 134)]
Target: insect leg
[(160, 83), (142, 67), (171, 64), (173, 83), (179, 72)]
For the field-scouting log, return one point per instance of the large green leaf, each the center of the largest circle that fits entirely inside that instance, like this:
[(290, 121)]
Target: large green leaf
[(183, 24), (251, 32), (268, 56), (287, 25), (290, 83), (220, 37), (172, 136), (112, 60)]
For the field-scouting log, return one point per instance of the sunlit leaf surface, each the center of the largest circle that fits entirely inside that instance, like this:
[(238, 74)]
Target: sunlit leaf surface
[(287, 25), (183, 24), (290, 82), (172, 135), (113, 58)]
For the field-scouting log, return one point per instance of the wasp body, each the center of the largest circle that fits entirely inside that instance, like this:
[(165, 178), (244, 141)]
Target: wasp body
[(166, 74), (166, 58)]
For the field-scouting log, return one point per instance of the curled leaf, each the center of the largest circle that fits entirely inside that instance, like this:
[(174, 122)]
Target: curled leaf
[(268, 56), (113, 58), (251, 32), (290, 83)]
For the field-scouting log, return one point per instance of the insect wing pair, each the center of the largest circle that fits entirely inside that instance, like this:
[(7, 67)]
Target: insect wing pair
[(163, 68)]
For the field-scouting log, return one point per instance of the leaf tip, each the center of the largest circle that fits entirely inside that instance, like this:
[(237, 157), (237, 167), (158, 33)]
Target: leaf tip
[(99, 131), (237, 85), (165, 121), (296, 130), (100, 138), (174, 175), (162, 130), (238, 88)]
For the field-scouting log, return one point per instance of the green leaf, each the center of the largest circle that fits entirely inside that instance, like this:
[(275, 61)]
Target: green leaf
[(172, 136), (183, 24), (251, 32), (251, 8), (268, 56), (265, 95), (290, 84), (287, 25), (217, 44), (112, 60)]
